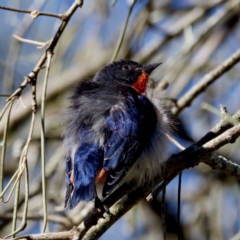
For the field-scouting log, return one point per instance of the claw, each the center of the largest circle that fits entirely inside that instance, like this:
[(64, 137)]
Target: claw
[(100, 206)]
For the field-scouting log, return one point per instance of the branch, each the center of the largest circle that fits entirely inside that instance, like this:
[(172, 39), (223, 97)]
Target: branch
[(220, 135), (120, 40), (32, 76), (67, 235), (36, 216), (174, 65), (190, 157), (187, 20), (209, 78), (34, 13), (224, 165)]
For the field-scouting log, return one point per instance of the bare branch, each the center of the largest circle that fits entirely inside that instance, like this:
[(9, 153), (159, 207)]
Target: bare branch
[(190, 157), (209, 78), (34, 14), (32, 76), (40, 44)]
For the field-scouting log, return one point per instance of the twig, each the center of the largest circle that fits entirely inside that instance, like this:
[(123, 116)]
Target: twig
[(15, 209), (190, 157), (119, 43), (223, 164), (209, 78), (210, 108), (32, 76), (175, 64), (24, 216), (9, 183), (14, 47), (5, 95), (40, 44), (23, 164), (193, 66), (36, 216), (3, 153), (6, 107), (34, 14), (43, 160), (189, 19)]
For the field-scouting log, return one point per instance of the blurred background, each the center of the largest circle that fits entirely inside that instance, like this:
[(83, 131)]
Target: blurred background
[(190, 38)]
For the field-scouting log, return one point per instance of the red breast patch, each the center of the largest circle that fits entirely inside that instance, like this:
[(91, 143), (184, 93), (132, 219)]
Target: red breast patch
[(141, 84)]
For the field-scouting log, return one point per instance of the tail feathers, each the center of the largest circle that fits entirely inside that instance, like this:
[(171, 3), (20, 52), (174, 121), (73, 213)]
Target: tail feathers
[(68, 195), (83, 193)]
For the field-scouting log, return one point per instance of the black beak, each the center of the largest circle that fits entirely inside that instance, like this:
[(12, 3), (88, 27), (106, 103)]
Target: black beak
[(149, 68)]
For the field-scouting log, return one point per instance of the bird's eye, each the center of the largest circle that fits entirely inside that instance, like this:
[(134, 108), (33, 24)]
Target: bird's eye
[(125, 67)]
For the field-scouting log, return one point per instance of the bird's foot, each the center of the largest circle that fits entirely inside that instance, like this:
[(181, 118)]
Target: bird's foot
[(100, 206)]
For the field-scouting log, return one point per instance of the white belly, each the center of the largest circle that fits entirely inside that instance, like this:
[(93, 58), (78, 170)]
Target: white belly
[(151, 161)]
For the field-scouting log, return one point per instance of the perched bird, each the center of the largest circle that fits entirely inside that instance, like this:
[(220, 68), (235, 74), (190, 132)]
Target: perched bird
[(115, 131)]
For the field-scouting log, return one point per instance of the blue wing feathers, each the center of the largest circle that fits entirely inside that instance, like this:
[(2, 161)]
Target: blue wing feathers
[(86, 163), (87, 160), (68, 181), (84, 193), (130, 125)]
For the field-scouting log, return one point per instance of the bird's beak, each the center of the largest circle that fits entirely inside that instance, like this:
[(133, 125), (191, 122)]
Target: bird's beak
[(149, 68)]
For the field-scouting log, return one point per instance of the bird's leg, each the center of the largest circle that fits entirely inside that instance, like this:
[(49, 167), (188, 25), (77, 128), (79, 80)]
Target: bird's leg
[(99, 205)]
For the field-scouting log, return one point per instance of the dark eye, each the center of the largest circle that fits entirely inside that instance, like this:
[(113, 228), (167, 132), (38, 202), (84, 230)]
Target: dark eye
[(125, 67)]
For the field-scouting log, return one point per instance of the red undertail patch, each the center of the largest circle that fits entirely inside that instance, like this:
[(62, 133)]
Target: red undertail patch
[(101, 176), (141, 84), (72, 179)]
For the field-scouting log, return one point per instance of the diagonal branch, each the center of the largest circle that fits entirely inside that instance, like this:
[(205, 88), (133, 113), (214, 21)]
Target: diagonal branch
[(32, 76), (190, 157), (209, 78), (34, 14)]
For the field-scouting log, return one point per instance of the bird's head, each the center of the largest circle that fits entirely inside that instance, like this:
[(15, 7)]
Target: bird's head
[(127, 72)]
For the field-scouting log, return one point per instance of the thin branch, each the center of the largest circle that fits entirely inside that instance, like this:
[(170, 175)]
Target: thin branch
[(210, 108), (67, 235), (5, 95), (36, 216), (6, 107), (43, 160), (25, 210), (14, 48), (9, 183), (34, 13), (174, 65), (32, 76), (15, 209), (4, 144), (187, 20), (223, 164), (119, 43), (209, 78), (40, 44), (190, 157)]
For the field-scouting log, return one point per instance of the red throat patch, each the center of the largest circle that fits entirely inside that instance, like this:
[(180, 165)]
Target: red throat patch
[(141, 84)]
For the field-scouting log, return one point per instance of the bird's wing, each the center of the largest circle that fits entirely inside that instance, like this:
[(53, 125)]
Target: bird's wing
[(129, 129), (69, 184), (82, 172)]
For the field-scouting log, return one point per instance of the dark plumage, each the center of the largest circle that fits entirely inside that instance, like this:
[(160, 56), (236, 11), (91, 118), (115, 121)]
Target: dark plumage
[(110, 124)]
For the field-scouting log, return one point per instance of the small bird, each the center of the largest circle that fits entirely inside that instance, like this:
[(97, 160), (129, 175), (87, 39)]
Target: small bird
[(116, 131)]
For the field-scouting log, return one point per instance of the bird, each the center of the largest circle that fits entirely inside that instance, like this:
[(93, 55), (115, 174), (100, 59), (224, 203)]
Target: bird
[(116, 130)]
